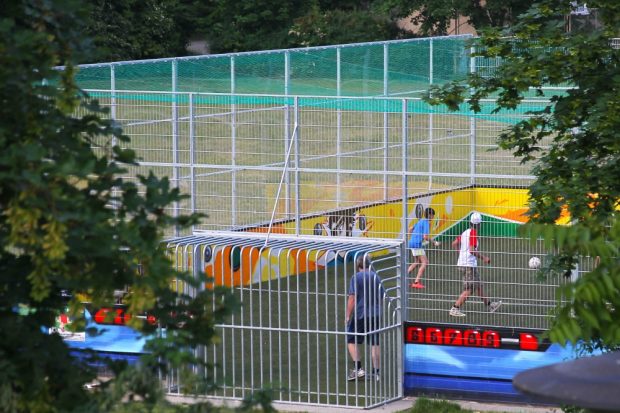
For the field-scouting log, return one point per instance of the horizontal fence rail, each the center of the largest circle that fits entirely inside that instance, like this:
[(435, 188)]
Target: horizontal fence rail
[(290, 334), (229, 152)]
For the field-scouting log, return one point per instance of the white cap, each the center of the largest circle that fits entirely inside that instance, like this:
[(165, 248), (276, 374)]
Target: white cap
[(475, 218)]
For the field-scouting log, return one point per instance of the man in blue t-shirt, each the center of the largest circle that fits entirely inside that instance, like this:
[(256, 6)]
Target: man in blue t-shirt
[(420, 237), (363, 315)]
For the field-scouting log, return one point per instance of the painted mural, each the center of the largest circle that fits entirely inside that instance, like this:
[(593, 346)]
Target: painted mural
[(231, 265)]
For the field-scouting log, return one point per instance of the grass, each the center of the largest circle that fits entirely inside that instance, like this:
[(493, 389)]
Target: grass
[(424, 405), (290, 332)]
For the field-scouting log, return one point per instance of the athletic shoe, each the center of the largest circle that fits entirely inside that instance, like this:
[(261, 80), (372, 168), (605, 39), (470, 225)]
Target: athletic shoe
[(456, 312), (417, 285), (356, 374), (374, 377), (494, 306)]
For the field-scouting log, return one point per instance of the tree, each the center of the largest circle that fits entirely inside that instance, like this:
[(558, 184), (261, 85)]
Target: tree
[(265, 24), (70, 224), (339, 26), (243, 26), (434, 16), (573, 145), (133, 29)]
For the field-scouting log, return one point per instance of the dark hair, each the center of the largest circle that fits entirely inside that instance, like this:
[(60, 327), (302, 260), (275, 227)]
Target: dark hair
[(428, 212), (362, 261)]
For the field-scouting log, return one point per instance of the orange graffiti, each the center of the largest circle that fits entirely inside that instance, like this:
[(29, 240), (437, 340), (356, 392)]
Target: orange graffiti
[(301, 262), (232, 266), (276, 229), (519, 215)]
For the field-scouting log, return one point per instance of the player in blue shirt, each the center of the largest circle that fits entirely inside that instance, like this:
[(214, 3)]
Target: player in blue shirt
[(363, 315), (420, 237)]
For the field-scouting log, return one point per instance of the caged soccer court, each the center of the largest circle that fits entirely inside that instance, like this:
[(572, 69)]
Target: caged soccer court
[(330, 151)]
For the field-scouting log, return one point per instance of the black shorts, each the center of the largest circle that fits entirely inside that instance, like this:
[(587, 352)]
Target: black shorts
[(365, 328)]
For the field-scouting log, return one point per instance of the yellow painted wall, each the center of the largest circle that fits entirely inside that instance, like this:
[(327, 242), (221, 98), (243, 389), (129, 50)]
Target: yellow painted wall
[(377, 221)]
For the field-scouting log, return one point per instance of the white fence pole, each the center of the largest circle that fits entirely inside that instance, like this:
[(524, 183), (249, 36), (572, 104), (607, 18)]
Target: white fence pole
[(175, 138)]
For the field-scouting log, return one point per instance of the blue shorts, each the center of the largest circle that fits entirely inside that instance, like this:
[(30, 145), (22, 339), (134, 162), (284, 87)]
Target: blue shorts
[(363, 326)]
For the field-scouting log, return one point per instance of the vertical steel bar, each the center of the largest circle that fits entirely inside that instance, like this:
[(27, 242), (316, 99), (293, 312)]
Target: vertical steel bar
[(113, 97), (307, 367), (287, 181), (270, 310), (430, 119), (326, 330), (386, 77), (233, 144), (472, 126), (192, 154), (338, 127), (175, 139), (317, 329), (404, 168), (401, 294), (430, 62), (296, 137)]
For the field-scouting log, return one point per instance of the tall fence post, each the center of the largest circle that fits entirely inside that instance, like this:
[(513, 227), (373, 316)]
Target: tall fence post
[(113, 97), (430, 118), (233, 148), (296, 172), (175, 139), (472, 126), (338, 126), (287, 91), (386, 75), (192, 156), (404, 166)]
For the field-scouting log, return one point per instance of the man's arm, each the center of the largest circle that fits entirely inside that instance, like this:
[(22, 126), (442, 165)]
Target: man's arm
[(350, 307), (473, 239), (456, 243), (483, 257), (427, 238)]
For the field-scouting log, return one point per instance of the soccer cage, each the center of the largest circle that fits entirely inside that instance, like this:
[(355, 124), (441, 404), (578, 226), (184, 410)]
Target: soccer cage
[(296, 186), (290, 334)]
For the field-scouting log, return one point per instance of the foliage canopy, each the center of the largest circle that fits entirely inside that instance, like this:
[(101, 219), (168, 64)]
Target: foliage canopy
[(434, 16), (71, 229), (575, 143)]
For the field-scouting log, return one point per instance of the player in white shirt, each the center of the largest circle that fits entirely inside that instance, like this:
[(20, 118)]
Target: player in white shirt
[(467, 244)]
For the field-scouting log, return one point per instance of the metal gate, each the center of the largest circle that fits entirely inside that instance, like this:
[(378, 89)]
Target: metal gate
[(290, 334)]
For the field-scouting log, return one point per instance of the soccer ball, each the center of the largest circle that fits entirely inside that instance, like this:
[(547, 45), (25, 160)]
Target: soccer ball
[(534, 263)]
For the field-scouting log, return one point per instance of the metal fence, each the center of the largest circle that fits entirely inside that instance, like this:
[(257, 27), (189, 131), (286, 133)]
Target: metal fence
[(248, 160), (302, 159), (290, 335), (337, 175), (389, 68)]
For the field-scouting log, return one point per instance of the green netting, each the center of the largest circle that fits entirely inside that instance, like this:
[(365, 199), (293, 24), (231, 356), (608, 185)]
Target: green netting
[(450, 60), (362, 70), (144, 75), (314, 72), (204, 75), (260, 73), (392, 68), (409, 66), (94, 77)]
